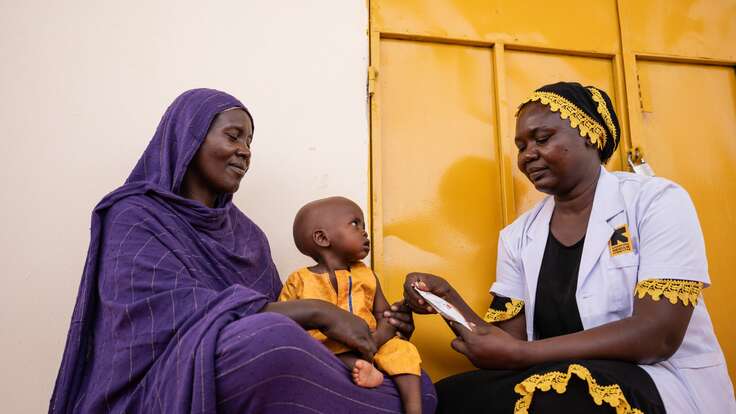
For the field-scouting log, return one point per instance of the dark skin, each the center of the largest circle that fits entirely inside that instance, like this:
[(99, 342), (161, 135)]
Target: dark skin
[(558, 162), (337, 239), (332, 231), (309, 236), (222, 160), (217, 168)]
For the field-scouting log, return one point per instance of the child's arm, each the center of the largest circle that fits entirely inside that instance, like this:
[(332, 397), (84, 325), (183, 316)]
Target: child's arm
[(384, 330)]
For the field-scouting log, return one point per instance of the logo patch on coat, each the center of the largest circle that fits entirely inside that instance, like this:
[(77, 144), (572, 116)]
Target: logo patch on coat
[(620, 242)]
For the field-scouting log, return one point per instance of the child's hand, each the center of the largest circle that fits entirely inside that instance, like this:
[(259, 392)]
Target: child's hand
[(401, 318)]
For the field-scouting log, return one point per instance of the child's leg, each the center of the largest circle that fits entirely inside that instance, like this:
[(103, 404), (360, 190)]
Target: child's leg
[(365, 374), (400, 359), (410, 390)]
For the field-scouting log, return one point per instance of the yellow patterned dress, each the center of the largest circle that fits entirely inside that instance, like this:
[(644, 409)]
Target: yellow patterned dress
[(356, 290)]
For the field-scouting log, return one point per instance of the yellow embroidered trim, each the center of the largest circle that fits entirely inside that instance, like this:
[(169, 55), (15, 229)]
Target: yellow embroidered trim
[(611, 394), (603, 110), (685, 290), (512, 309), (578, 119)]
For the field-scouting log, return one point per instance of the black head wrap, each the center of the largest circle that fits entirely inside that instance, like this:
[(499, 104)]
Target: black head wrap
[(588, 109)]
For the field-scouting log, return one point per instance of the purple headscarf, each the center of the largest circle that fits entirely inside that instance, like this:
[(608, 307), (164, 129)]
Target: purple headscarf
[(163, 275)]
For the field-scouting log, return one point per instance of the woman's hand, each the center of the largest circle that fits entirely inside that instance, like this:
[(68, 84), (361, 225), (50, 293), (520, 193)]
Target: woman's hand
[(335, 323), (344, 327), (401, 318), (489, 347), (429, 283)]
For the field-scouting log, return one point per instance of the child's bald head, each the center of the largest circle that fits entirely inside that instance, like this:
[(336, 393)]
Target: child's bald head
[(316, 219)]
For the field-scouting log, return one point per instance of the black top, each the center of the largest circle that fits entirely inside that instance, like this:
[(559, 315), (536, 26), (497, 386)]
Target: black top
[(556, 310), (556, 313)]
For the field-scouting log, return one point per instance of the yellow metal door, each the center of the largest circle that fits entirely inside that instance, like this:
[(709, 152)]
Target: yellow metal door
[(689, 135), (445, 79), (440, 175), (679, 59)]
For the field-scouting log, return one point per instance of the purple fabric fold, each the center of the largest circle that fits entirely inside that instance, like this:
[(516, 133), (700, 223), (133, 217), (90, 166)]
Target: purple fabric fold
[(163, 275)]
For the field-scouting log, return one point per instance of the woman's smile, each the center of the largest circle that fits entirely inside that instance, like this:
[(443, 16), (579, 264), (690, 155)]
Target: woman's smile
[(222, 159), (535, 173), (238, 169)]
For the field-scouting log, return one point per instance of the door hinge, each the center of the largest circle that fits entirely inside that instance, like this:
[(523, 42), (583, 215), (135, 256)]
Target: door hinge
[(372, 76), (645, 103)]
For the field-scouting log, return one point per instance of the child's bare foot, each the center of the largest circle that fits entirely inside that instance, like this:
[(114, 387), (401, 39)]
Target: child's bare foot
[(366, 375)]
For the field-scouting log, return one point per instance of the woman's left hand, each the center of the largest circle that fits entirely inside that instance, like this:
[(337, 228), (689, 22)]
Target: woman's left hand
[(401, 318), (489, 347)]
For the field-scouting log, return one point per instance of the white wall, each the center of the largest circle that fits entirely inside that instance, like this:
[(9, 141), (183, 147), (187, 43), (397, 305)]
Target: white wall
[(83, 85)]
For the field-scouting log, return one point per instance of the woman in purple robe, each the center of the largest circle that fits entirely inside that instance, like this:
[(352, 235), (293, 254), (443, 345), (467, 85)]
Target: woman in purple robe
[(176, 312)]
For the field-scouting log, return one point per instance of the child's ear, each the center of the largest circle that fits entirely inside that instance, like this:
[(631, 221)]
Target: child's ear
[(320, 238)]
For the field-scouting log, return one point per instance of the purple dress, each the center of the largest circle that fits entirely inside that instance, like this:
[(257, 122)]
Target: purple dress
[(167, 316)]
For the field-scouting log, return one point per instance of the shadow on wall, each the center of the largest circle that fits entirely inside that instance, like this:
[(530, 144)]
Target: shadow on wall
[(461, 218)]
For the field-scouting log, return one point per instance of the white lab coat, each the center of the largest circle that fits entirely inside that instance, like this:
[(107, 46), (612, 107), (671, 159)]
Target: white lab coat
[(667, 244)]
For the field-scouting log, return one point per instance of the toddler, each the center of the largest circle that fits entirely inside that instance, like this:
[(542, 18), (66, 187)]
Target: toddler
[(332, 232)]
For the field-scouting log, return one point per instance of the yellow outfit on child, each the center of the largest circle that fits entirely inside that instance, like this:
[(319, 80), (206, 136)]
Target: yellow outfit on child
[(356, 290)]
